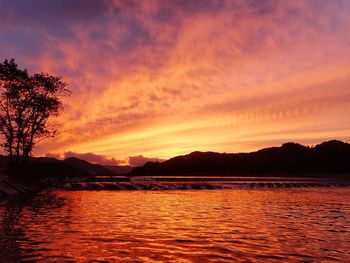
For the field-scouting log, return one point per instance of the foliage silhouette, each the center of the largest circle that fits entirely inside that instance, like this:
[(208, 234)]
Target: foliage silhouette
[(26, 103)]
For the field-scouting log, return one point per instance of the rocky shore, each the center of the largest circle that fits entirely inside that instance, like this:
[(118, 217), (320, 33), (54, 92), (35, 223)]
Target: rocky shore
[(10, 187)]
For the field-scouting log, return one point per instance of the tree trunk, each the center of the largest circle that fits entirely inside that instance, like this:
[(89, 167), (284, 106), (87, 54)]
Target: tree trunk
[(10, 151)]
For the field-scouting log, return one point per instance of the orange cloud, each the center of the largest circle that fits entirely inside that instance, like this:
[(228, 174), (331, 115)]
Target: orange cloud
[(161, 78)]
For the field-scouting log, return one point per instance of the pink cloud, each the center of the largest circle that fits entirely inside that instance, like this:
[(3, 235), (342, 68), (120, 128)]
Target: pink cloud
[(93, 158), (166, 77)]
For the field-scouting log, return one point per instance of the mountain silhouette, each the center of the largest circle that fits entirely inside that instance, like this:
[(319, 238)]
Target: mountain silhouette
[(45, 167), (89, 168), (331, 157), (119, 169)]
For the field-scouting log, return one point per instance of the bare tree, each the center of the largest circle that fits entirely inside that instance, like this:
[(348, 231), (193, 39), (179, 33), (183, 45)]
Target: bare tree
[(26, 103)]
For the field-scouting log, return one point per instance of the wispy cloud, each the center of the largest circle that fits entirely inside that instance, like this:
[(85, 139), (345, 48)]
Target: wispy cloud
[(160, 78)]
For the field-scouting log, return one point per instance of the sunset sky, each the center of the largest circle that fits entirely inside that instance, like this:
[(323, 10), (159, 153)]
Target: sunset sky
[(155, 79)]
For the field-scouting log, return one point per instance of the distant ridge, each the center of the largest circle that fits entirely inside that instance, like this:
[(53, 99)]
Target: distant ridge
[(91, 169), (118, 169), (71, 167), (331, 157)]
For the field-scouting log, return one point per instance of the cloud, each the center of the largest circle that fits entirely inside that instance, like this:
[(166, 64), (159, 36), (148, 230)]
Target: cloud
[(162, 78), (47, 13), (93, 158), (141, 160), (104, 160)]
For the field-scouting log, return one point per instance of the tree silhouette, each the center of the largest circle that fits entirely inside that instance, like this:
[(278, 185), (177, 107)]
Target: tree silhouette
[(26, 103)]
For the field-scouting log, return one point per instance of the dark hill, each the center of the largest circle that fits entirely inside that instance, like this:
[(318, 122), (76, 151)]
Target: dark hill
[(332, 157), (118, 169), (43, 167), (89, 168)]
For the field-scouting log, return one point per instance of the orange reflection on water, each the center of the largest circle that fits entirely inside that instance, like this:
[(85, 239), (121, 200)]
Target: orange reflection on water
[(180, 226)]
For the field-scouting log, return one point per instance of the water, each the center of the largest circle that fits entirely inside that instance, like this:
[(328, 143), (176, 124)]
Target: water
[(281, 225)]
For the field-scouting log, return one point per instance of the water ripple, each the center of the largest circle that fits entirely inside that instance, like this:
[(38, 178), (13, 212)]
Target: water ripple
[(194, 226)]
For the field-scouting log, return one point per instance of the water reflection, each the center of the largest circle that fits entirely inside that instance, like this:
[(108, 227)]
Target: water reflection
[(14, 233), (194, 226)]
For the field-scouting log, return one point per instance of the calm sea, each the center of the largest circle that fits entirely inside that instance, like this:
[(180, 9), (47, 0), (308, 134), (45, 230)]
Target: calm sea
[(277, 225)]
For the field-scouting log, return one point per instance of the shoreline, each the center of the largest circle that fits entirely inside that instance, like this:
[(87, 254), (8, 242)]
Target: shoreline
[(210, 183), (10, 187)]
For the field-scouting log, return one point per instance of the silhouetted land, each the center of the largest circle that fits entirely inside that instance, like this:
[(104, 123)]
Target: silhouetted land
[(291, 159), (293, 164), (71, 167), (38, 173)]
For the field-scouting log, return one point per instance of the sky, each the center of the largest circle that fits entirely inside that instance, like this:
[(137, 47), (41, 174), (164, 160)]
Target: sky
[(155, 79)]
